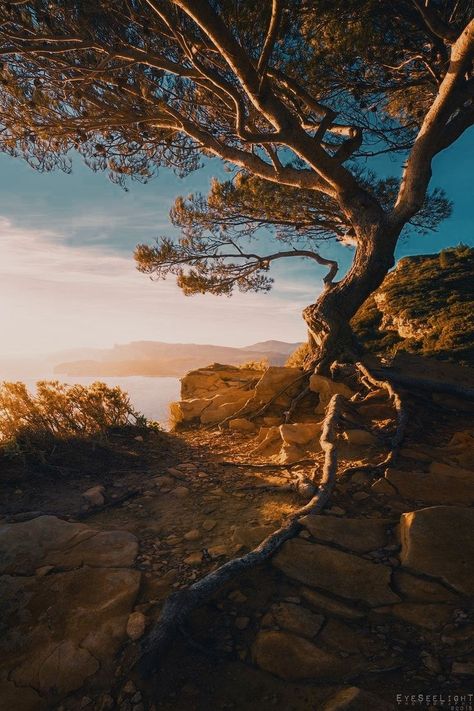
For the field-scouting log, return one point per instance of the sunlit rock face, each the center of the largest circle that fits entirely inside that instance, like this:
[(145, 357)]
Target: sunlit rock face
[(234, 398)]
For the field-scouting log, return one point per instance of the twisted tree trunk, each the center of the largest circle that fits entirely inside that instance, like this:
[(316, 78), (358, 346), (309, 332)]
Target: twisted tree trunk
[(328, 320)]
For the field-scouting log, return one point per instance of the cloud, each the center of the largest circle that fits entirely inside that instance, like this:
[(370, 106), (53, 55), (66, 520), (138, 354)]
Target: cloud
[(62, 295)]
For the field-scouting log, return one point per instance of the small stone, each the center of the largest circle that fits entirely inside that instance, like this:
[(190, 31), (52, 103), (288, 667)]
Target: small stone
[(242, 623), (129, 687), (194, 559), (193, 535), (85, 701), (43, 570), (136, 625), (463, 668), (94, 496), (294, 618), (237, 596), (217, 551), (208, 524), (180, 492)]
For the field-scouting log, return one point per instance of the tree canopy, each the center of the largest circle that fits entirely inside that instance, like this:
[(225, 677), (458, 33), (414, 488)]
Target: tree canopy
[(291, 95)]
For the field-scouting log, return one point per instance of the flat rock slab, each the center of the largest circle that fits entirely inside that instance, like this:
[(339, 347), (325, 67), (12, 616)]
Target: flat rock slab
[(429, 616), (67, 622), (446, 485), (294, 618), (50, 541), (291, 657), (438, 541), (357, 534), (341, 573)]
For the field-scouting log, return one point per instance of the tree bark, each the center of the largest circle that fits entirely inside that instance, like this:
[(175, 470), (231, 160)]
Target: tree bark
[(328, 320)]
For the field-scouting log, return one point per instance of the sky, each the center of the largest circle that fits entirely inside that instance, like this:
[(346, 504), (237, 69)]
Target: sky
[(68, 279)]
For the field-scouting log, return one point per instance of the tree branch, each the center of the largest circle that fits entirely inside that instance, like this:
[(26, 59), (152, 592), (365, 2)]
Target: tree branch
[(270, 39), (430, 139), (434, 22)]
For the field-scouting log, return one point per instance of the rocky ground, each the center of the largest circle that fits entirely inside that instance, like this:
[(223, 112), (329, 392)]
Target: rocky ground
[(372, 599)]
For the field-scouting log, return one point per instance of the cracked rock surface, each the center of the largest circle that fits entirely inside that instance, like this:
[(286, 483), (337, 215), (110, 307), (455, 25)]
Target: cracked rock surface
[(67, 591)]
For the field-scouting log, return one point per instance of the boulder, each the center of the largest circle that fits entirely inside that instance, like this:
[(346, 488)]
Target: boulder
[(47, 540), (438, 541), (268, 441), (301, 433), (187, 410), (290, 453), (442, 485), (204, 382), (338, 572), (294, 618), (67, 622), (340, 636), (357, 534), (16, 698), (291, 657), (240, 424), (449, 470), (273, 381), (326, 388), (426, 615), (57, 646), (460, 448), (417, 589), (223, 406)]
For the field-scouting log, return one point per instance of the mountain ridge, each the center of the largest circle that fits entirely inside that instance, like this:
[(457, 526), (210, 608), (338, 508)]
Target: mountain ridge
[(158, 358)]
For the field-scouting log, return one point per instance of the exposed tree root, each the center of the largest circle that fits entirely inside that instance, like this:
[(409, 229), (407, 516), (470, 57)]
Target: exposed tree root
[(270, 465), (180, 604), (402, 415), (245, 412), (294, 403)]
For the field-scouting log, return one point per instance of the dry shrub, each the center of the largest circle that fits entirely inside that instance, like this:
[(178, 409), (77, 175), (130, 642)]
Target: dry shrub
[(59, 412)]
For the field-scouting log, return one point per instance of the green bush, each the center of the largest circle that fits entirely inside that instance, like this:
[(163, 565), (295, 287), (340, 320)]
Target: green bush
[(59, 412)]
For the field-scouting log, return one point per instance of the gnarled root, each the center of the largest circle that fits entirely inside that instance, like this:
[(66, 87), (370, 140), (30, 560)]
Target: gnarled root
[(180, 604), (401, 413)]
